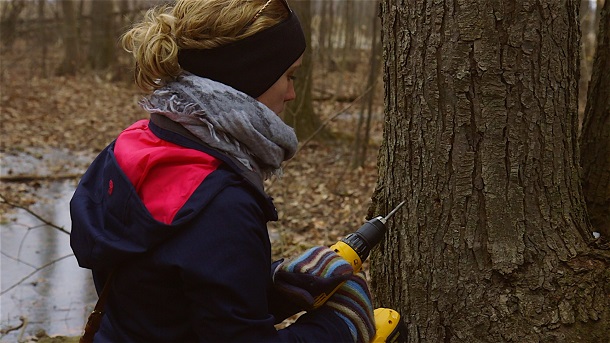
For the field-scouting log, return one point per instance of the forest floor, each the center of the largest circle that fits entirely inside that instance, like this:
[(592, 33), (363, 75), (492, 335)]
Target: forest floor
[(320, 198)]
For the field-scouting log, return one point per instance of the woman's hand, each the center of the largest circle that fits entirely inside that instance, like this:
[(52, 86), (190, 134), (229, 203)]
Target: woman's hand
[(317, 272)]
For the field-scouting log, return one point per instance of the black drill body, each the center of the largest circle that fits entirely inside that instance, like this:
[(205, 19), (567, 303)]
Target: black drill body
[(367, 236)]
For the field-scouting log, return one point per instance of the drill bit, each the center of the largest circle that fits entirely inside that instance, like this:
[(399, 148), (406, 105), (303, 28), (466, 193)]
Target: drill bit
[(384, 220)]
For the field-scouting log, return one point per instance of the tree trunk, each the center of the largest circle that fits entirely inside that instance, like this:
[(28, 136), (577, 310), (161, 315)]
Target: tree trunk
[(9, 16), (361, 143), (349, 28), (595, 140), (324, 32), (480, 139), (69, 64), (42, 38), (300, 113), (102, 50)]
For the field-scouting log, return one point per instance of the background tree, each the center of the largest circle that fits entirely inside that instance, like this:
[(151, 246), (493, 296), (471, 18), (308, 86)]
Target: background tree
[(363, 129), (325, 32), (9, 17), (43, 37), (349, 29), (69, 30), (102, 49), (589, 21), (595, 139), (480, 138), (300, 113)]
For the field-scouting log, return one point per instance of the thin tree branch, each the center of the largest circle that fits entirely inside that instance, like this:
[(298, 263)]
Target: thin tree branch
[(34, 272), (34, 177), (16, 259), (16, 327), (331, 118), (46, 222)]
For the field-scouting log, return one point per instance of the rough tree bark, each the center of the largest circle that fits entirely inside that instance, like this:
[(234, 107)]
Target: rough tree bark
[(480, 138)]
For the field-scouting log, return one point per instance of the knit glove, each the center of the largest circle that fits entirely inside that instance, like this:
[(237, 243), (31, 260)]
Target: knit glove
[(352, 302), (316, 272)]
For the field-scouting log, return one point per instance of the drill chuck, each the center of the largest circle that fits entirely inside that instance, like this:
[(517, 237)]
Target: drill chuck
[(367, 236)]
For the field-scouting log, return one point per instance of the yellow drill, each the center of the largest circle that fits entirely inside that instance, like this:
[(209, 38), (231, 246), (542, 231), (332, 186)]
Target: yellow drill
[(355, 249)]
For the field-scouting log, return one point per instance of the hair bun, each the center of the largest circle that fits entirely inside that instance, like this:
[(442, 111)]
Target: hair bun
[(154, 48)]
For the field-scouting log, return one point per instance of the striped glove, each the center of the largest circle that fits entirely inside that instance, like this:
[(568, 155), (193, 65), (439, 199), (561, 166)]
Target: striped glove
[(317, 271), (352, 302)]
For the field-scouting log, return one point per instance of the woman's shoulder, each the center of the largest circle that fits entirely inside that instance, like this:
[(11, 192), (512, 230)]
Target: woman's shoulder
[(233, 195)]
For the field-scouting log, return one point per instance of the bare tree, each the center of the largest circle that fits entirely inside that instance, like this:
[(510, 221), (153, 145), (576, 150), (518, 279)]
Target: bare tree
[(300, 113), (349, 32), (325, 30), (365, 118), (9, 16), (69, 64), (102, 49), (480, 139), (43, 38)]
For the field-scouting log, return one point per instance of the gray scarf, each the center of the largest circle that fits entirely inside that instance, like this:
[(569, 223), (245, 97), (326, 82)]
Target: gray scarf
[(227, 120)]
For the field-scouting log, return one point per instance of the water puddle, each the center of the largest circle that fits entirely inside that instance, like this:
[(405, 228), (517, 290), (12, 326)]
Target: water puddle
[(41, 282)]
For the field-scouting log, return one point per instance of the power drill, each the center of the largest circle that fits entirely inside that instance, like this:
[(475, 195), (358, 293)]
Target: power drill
[(355, 249)]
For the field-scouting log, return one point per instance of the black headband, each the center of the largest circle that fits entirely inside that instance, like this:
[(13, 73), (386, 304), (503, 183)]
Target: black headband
[(253, 64)]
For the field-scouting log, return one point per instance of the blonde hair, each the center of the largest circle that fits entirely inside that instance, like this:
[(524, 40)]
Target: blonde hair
[(192, 24)]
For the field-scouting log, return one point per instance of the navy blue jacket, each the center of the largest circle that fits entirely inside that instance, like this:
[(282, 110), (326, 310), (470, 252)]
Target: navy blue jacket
[(195, 267)]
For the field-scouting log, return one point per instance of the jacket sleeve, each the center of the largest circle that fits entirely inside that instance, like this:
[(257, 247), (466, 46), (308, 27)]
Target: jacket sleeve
[(225, 272)]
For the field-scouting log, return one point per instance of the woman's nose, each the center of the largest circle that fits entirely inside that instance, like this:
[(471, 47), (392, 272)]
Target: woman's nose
[(290, 94)]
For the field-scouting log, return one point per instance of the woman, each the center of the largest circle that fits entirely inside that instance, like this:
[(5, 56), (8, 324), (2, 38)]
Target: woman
[(174, 209)]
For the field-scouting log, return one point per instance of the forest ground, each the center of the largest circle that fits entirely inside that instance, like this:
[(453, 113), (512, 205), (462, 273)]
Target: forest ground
[(320, 198)]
